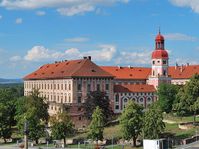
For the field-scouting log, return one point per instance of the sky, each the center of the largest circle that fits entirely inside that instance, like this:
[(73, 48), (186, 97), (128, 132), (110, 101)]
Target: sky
[(113, 32)]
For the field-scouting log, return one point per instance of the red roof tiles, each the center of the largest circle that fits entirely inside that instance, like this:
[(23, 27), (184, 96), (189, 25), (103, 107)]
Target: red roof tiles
[(183, 72), (137, 88), (73, 68), (139, 73)]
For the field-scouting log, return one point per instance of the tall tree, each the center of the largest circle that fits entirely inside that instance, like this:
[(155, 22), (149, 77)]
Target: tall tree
[(98, 98), (153, 122), (62, 126), (34, 110), (167, 96), (96, 126), (188, 97), (131, 121), (7, 112)]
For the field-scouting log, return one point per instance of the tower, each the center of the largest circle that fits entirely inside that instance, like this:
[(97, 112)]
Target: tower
[(160, 63)]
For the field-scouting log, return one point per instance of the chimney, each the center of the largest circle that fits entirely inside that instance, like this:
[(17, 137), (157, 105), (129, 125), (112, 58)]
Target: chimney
[(181, 68), (176, 66), (187, 64), (89, 57), (119, 66)]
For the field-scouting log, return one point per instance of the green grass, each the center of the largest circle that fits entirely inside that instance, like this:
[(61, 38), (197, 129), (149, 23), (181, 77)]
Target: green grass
[(179, 119)]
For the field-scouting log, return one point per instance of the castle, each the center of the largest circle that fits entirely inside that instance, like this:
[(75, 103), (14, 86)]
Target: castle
[(69, 82)]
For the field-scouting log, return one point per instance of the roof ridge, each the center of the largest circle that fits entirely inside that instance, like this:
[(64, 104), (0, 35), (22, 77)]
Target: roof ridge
[(84, 61)]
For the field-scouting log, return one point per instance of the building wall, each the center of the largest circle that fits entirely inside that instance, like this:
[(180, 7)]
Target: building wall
[(121, 99), (179, 81), (129, 81)]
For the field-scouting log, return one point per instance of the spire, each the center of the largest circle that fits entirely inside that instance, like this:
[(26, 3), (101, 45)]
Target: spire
[(159, 31)]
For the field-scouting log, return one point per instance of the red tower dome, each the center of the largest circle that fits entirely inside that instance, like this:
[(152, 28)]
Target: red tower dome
[(159, 51)]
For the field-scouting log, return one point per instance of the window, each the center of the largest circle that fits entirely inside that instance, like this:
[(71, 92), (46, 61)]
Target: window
[(164, 62), (107, 86), (153, 62), (141, 99), (80, 118), (117, 98), (98, 87), (79, 100), (79, 87), (88, 87), (164, 72), (69, 87), (149, 99), (117, 107), (158, 61), (79, 109), (125, 100)]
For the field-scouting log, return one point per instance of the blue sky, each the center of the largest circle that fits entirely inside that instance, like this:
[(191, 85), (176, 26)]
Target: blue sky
[(113, 32)]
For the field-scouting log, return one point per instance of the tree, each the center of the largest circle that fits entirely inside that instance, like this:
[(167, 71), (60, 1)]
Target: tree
[(166, 96), (62, 126), (7, 112), (97, 98), (131, 121), (34, 110), (96, 126), (153, 122), (188, 97)]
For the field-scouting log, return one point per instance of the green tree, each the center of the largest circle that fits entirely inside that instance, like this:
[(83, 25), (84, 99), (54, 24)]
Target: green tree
[(34, 110), (7, 112), (188, 98), (153, 122), (167, 96), (96, 126), (131, 121), (98, 98), (62, 126)]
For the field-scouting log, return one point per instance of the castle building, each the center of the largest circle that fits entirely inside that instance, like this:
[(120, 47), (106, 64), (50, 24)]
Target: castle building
[(69, 82)]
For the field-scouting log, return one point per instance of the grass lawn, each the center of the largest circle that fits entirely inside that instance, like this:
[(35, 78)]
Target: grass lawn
[(180, 119)]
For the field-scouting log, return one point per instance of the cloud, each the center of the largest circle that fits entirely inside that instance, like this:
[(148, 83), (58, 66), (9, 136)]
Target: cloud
[(1, 17), (77, 39), (193, 4), (40, 13), (19, 21), (64, 7), (40, 53), (80, 9), (15, 58), (138, 57), (179, 37)]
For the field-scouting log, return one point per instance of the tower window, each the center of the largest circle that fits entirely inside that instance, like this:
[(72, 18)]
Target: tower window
[(153, 62), (164, 62)]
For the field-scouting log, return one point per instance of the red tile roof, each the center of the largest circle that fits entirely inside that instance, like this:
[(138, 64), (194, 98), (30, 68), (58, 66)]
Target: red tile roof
[(183, 72), (73, 68), (128, 72), (134, 88)]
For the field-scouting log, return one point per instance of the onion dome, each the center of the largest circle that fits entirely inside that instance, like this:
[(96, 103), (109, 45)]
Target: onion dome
[(159, 54)]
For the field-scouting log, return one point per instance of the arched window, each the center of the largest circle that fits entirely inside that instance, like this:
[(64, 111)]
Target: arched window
[(117, 98), (141, 99)]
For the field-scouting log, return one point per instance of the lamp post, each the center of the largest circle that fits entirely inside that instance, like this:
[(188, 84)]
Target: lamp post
[(26, 134)]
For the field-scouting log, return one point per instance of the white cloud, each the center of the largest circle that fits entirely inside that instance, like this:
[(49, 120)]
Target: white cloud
[(40, 13), (64, 7), (76, 39), (19, 21), (15, 58), (37, 53), (40, 53), (193, 4), (180, 37), (138, 57), (79, 9)]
